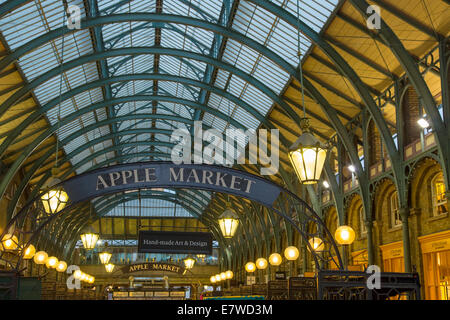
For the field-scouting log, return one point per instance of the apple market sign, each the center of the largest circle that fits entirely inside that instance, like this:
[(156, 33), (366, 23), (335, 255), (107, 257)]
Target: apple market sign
[(153, 266), (166, 174)]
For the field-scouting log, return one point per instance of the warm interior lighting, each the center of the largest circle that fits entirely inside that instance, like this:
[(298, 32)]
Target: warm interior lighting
[(51, 262), (9, 242), (54, 200), (189, 262), (105, 257), (77, 274), (351, 168), (317, 244), (291, 253), (29, 252), (61, 266), (344, 235), (307, 155), (261, 263), (217, 276), (212, 279), (89, 240), (228, 222), (223, 276), (326, 184), (275, 259), (250, 267), (423, 123), (109, 267), (229, 274), (40, 257)]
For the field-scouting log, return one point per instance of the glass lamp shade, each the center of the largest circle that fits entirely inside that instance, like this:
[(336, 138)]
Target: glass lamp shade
[(189, 262), (250, 267), (83, 276), (212, 279), (77, 274), (89, 240), (109, 267), (223, 276), (307, 156), (217, 276), (261, 263), (52, 262), (40, 257), (228, 223), (105, 257), (275, 259), (61, 266), (29, 252), (54, 200), (9, 242), (344, 235), (316, 244), (229, 274), (291, 253)]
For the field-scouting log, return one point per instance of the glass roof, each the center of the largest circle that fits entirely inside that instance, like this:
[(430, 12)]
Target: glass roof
[(37, 18)]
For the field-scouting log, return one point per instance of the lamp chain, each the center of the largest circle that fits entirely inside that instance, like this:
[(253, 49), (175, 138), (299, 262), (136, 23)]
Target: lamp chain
[(299, 53), (58, 116)]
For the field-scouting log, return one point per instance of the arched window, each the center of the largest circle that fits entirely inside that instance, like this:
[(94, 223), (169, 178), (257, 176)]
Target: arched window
[(394, 210), (362, 221), (438, 195)]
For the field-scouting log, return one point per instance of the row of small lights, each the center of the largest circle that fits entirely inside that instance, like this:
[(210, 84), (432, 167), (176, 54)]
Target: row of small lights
[(10, 243), (227, 275), (344, 235)]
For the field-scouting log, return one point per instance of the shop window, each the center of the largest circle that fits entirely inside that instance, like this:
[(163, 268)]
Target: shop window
[(362, 221), (394, 211), (438, 196)]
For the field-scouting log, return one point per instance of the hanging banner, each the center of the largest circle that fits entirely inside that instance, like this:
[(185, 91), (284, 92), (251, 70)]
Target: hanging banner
[(167, 174), (175, 242)]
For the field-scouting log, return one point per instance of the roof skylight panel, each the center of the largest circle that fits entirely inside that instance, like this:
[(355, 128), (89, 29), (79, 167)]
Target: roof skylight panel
[(257, 99), (240, 56), (221, 79), (75, 143), (107, 7), (249, 121), (267, 72)]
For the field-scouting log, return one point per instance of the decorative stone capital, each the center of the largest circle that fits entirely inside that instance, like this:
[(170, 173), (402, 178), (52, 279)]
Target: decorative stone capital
[(404, 213)]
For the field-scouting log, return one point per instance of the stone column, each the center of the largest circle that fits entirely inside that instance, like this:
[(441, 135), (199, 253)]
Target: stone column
[(404, 213), (370, 249)]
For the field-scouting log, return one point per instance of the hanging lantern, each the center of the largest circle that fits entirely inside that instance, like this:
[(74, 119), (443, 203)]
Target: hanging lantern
[(307, 155), (261, 263), (89, 239), (212, 279), (228, 222), (189, 262), (29, 252), (217, 276), (229, 274), (223, 276), (105, 257), (275, 259), (344, 235), (109, 267), (317, 244), (291, 253), (250, 267), (9, 242), (51, 262), (61, 266), (55, 198), (40, 257)]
